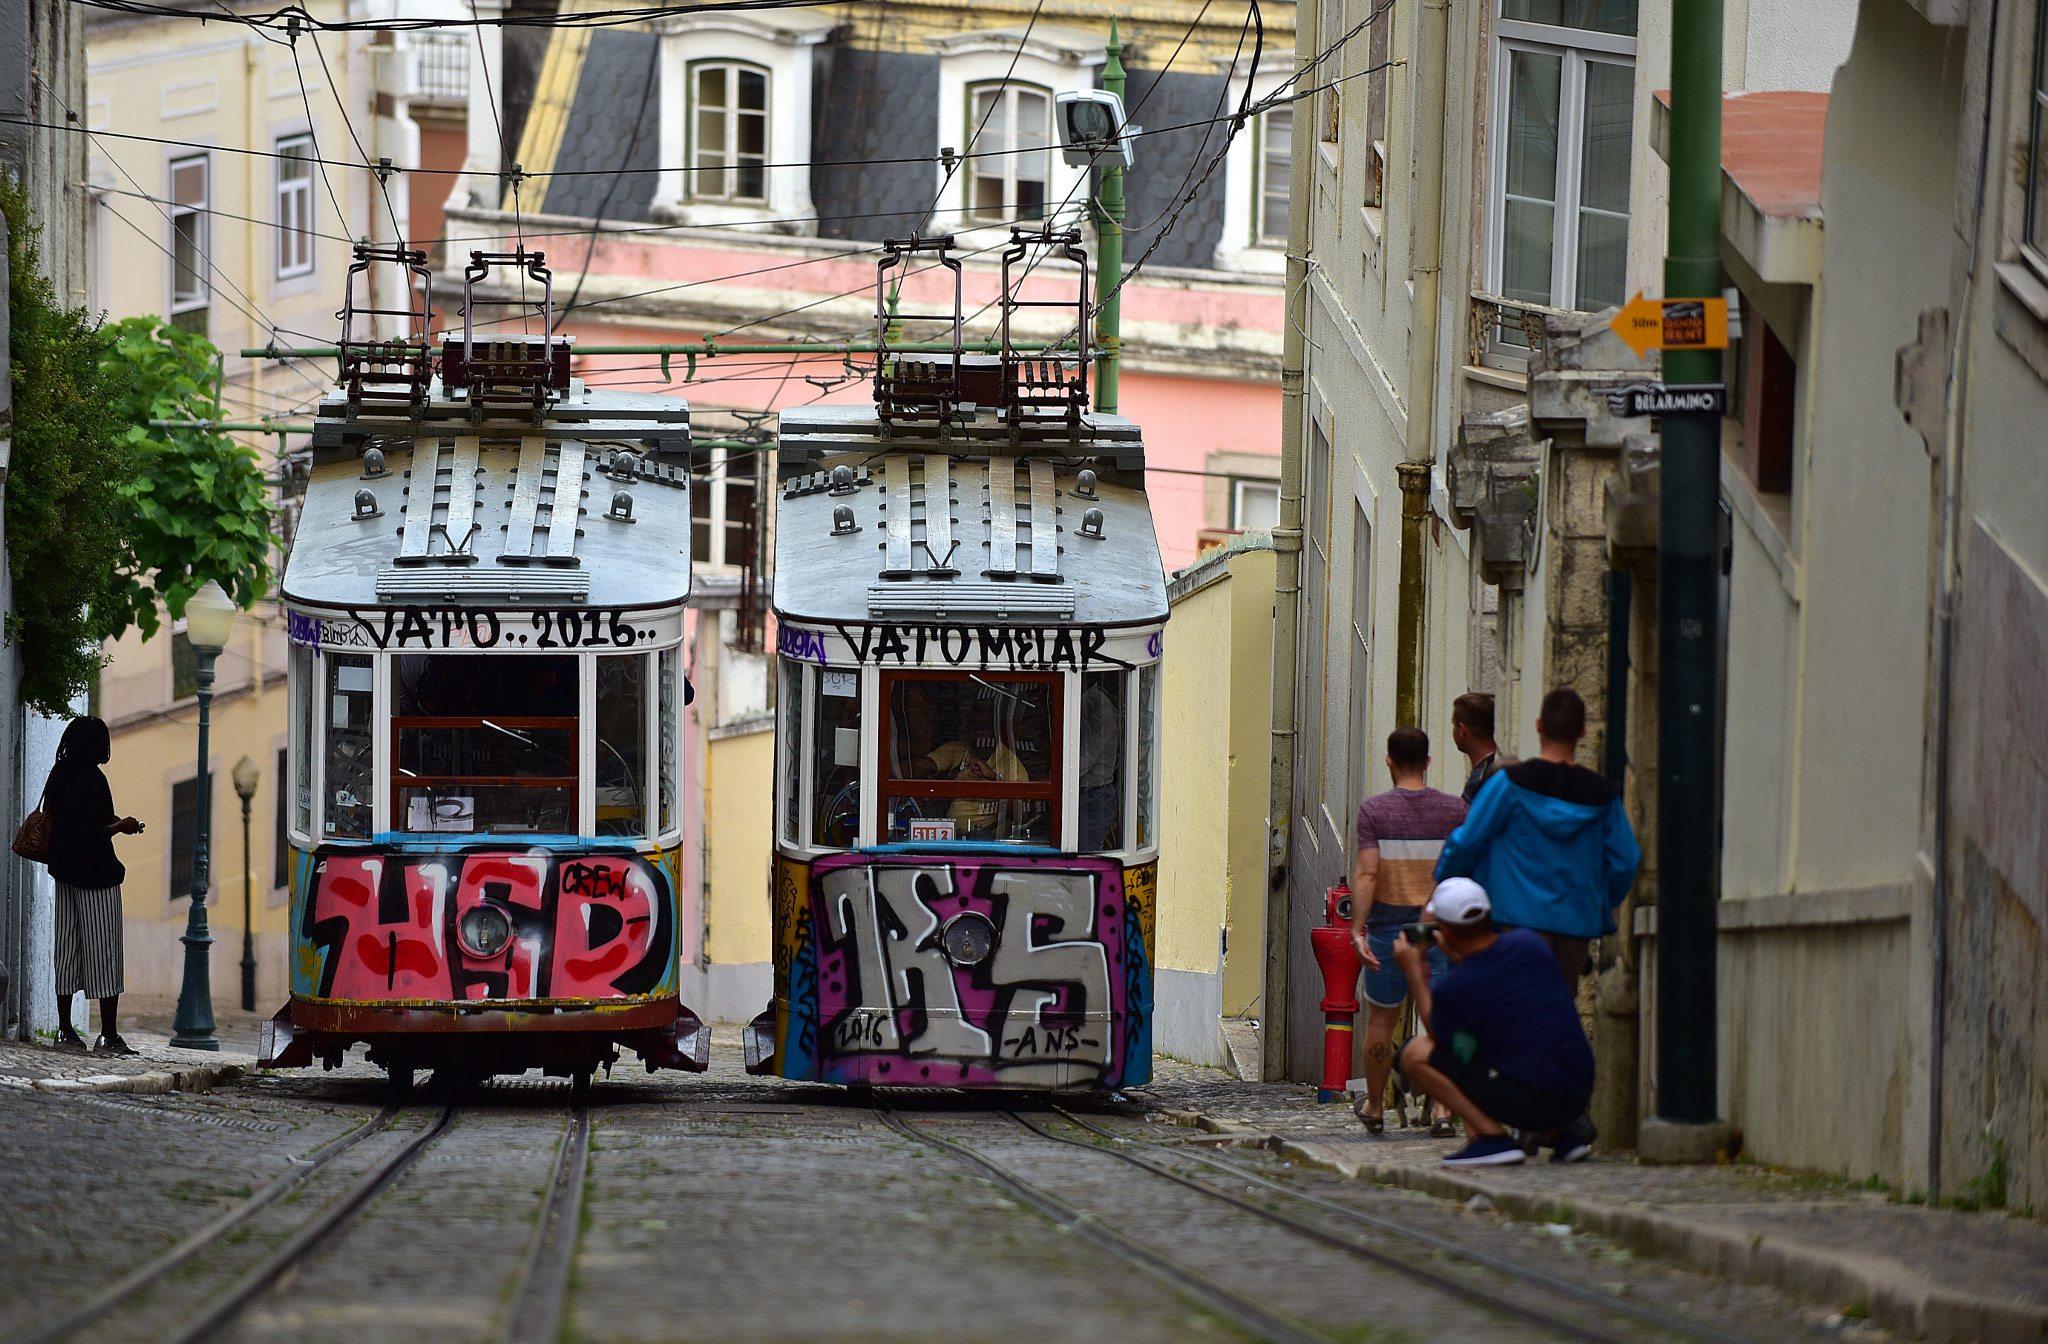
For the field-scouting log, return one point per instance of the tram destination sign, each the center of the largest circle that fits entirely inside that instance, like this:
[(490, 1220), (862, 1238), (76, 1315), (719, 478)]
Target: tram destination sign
[(1015, 648), (1661, 399), (415, 629)]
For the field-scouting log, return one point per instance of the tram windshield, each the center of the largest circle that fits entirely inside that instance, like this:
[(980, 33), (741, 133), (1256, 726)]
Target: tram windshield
[(485, 744), (971, 756)]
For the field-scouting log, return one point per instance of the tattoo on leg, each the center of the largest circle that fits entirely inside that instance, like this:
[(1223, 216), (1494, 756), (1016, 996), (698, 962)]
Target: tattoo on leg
[(1379, 1051)]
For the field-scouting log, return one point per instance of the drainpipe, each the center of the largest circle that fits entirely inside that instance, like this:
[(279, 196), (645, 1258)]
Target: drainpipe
[(1946, 560), (1109, 241), (1287, 584), (1432, 44), (1686, 1127)]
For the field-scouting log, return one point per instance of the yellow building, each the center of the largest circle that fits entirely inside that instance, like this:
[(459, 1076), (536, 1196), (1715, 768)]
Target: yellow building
[(209, 207), (1216, 731)]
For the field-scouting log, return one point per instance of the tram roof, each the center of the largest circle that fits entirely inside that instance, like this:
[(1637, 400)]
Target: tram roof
[(980, 561), (485, 536)]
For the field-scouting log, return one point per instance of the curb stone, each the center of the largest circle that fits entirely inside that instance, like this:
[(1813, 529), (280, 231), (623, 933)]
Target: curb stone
[(1909, 1306), (202, 1079)]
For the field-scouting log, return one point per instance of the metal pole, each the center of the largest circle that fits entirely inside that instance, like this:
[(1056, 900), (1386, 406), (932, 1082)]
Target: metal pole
[(1274, 992), (1688, 848), (193, 1028), (1109, 237), (248, 925)]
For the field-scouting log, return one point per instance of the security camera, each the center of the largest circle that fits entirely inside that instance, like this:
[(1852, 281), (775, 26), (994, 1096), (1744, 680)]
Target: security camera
[(1091, 123)]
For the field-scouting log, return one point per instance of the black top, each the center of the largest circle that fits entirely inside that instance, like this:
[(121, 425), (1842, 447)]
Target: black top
[(81, 808), (1566, 783)]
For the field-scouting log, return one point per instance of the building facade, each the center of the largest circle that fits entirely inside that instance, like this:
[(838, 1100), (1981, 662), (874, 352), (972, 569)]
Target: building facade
[(1469, 178), (729, 175)]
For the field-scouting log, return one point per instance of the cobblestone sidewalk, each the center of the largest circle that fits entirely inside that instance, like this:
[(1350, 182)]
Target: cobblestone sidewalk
[(1919, 1273)]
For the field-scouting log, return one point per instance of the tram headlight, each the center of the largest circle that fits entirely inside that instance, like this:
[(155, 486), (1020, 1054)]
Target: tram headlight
[(484, 930), (968, 938)]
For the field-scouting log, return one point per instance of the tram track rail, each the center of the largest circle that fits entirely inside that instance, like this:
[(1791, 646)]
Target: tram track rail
[(1565, 1314), (1548, 1283), (540, 1282), (316, 1230), (160, 1267), (1246, 1311)]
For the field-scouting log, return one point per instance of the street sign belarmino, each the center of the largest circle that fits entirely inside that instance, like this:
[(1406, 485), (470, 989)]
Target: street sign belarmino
[(1672, 324)]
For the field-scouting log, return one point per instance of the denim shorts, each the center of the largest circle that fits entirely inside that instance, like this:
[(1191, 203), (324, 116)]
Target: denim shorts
[(1387, 987)]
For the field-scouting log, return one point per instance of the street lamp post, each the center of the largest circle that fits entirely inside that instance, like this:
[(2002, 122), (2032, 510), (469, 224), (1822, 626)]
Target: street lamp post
[(245, 777), (209, 619)]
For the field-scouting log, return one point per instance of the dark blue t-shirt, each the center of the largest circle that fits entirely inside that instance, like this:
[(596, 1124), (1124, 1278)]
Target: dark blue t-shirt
[(1507, 1008)]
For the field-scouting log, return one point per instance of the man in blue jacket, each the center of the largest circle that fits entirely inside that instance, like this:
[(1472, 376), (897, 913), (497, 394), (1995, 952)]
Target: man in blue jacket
[(1549, 841)]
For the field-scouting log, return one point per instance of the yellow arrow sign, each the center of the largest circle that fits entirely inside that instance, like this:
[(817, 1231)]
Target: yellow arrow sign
[(1672, 324)]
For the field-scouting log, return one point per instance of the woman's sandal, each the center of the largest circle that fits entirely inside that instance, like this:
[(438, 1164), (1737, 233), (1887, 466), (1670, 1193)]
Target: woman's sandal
[(1374, 1124), (1442, 1129)]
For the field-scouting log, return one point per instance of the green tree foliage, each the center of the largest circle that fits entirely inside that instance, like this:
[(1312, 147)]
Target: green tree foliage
[(108, 517), (67, 538), (196, 506)]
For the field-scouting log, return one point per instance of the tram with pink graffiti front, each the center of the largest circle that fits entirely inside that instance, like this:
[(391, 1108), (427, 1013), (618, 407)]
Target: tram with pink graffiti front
[(484, 600), (969, 607)]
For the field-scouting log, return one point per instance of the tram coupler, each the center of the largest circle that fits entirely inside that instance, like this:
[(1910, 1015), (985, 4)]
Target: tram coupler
[(1340, 964), (682, 1044)]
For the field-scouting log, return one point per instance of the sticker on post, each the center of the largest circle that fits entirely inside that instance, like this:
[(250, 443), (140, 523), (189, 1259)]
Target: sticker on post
[(932, 828)]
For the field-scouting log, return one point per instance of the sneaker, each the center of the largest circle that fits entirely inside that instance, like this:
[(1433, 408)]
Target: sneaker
[(113, 1045), (1574, 1143), (67, 1039), (1487, 1150)]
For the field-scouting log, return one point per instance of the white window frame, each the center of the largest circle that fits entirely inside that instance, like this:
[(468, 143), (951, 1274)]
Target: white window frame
[(2036, 120), (723, 184), (1237, 490), (1240, 246), (1003, 162), (778, 43), (1577, 47), (293, 208), (713, 483), (200, 212), (973, 60)]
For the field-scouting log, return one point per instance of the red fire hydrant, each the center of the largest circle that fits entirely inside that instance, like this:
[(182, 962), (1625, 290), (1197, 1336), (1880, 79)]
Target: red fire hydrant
[(1340, 964)]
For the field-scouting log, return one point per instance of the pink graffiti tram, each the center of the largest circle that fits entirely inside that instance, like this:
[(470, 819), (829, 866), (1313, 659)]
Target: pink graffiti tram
[(485, 607), (970, 609)]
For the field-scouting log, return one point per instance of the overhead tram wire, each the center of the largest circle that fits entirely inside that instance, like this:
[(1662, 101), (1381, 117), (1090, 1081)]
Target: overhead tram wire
[(313, 127), (625, 161), (611, 18)]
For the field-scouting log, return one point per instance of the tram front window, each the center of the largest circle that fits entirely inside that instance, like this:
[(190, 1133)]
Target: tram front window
[(484, 744), (1102, 762), (622, 745), (972, 756)]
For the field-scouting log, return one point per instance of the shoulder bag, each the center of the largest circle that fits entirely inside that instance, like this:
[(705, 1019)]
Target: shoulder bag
[(32, 841)]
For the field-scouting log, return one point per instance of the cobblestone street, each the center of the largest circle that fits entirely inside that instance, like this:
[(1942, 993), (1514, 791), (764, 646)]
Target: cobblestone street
[(725, 1207)]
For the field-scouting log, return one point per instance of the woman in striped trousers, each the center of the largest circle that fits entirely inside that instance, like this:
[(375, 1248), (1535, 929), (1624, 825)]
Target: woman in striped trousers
[(83, 825)]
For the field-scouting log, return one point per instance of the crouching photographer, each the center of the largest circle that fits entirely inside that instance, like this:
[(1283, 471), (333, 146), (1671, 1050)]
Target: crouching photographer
[(1502, 1046)]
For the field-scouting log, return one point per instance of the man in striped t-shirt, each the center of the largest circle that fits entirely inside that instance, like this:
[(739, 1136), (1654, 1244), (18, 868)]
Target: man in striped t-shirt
[(1400, 835)]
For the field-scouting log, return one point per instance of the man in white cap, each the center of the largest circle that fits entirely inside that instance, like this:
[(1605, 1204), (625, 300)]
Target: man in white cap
[(1502, 1045)]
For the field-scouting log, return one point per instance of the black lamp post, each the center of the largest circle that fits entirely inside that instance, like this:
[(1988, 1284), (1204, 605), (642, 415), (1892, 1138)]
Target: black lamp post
[(245, 776), (209, 620)]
